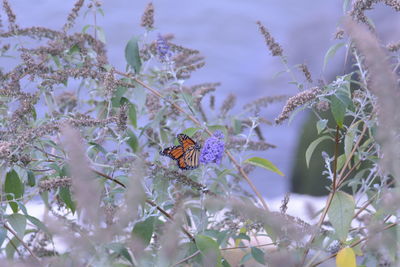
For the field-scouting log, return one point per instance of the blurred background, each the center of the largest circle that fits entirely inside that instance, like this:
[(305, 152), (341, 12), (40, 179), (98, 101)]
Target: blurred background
[(225, 32)]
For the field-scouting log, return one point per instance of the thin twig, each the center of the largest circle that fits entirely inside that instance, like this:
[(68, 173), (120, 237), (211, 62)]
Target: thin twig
[(171, 218), (108, 177), (352, 153), (187, 258), (198, 123), (21, 241), (240, 247), (335, 159)]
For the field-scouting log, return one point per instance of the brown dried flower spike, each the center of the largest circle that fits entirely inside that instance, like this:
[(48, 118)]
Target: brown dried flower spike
[(273, 46), (148, 17), (296, 101)]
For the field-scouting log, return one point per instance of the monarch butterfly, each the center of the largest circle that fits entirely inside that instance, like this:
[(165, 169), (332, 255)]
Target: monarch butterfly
[(186, 154)]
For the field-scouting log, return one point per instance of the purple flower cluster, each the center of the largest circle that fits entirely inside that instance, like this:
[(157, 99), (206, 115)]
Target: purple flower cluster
[(213, 149), (163, 48)]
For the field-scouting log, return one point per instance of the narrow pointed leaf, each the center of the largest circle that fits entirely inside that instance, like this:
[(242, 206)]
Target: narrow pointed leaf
[(264, 163), (132, 55), (313, 146), (13, 185), (18, 223)]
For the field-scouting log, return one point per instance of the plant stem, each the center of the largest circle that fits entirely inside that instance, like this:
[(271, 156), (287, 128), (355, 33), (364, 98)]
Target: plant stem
[(330, 198), (334, 184), (20, 240)]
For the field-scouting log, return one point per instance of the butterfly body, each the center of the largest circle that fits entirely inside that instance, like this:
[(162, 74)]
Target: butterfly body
[(186, 154)]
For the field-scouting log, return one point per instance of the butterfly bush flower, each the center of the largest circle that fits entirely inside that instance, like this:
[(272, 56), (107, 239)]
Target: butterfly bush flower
[(213, 149), (163, 48)]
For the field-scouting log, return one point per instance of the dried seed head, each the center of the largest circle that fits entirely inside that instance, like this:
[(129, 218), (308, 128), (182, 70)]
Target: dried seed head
[(109, 83), (122, 118), (285, 202), (5, 149), (67, 101), (322, 105), (306, 72), (153, 105), (228, 104), (73, 15), (273, 46), (148, 17), (296, 101), (11, 16), (251, 145), (393, 47), (263, 102), (212, 102), (51, 184), (339, 34)]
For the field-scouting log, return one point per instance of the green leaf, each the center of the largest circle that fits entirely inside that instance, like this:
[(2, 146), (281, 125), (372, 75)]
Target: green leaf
[(331, 53), (13, 186), (97, 147), (132, 141), (338, 108), (74, 49), (65, 196), (10, 247), (34, 114), (31, 178), (321, 125), (312, 146), (209, 248), (38, 223), (3, 235), (132, 55), (346, 258), (144, 230), (341, 213), (101, 34), (120, 249), (225, 263), (237, 126), (341, 160), (132, 115), (271, 232), (242, 236), (116, 100), (18, 223), (190, 131), (349, 139), (264, 163), (65, 171), (258, 255), (245, 258)]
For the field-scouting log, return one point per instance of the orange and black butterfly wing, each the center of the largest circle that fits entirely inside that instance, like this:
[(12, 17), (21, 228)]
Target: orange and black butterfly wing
[(191, 158), (181, 163), (186, 142), (174, 152)]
